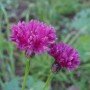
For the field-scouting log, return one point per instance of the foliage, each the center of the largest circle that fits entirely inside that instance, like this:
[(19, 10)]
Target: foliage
[(32, 84), (82, 20), (83, 44)]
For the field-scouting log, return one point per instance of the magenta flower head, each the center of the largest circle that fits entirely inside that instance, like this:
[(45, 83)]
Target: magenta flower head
[(33, 37), (65, 57)]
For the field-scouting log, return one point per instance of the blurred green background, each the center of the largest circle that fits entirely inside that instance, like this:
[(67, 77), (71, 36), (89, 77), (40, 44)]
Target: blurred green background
[(71, 19)]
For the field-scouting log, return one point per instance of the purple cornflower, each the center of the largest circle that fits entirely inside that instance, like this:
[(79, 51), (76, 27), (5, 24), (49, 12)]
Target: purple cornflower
[(33, 37), (65, 57)]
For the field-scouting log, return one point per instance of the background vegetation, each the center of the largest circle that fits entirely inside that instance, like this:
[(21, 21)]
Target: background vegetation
[(71, 18)]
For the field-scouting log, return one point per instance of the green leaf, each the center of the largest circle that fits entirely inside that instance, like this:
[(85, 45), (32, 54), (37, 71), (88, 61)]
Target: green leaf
[(81, 20), (12, 85), (83, 45)]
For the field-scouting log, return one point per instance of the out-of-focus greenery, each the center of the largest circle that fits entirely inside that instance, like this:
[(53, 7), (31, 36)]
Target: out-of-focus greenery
[(71, 18)]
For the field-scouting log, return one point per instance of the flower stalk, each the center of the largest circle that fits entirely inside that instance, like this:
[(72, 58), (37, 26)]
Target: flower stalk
[(26, 74), (48, 81)]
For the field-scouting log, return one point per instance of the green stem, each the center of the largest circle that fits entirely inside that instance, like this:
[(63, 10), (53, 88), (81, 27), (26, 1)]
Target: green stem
[(26, 73), (48, 81)]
